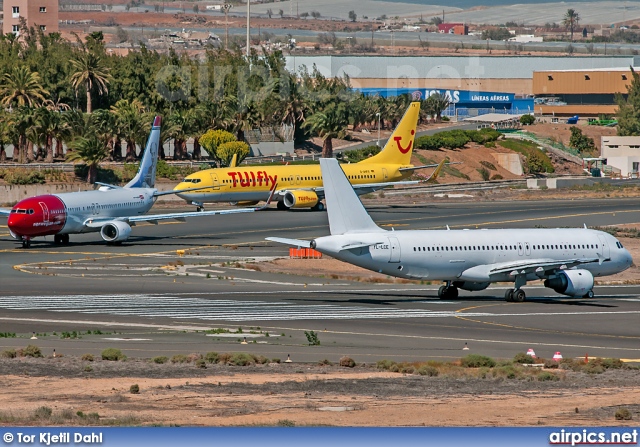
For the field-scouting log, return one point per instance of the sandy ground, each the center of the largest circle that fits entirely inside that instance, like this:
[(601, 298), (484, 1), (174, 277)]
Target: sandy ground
[(301, 394)]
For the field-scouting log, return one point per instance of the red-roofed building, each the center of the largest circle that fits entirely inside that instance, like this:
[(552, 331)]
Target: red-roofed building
[(453, 28)]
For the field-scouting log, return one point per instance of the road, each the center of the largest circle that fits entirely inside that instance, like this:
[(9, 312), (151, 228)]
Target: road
[(157, 293)]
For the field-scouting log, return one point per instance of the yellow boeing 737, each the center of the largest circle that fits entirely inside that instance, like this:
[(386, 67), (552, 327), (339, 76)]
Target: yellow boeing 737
[(300, 186)]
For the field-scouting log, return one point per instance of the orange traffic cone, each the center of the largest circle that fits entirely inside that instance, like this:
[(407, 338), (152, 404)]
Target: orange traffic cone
[(531, 353), (557, 356)]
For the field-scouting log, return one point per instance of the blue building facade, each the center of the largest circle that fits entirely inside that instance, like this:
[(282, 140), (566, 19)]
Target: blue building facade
[(463, 102)]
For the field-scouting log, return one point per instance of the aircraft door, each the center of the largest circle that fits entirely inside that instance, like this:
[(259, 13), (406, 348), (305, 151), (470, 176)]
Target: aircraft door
[(215, 182), (605, 247), (527, 249), (394, 247), (385, 174), (45, 211), (298, 179), (520, 249)]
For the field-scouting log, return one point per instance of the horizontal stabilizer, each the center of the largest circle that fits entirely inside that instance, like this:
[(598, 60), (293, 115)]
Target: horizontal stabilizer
[(295, 242)]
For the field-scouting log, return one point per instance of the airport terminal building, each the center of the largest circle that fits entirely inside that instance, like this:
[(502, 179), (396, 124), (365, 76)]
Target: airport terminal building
[(583, 85)]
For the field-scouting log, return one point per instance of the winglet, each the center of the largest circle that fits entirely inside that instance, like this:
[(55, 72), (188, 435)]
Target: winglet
[(234, 161), (436, 172)]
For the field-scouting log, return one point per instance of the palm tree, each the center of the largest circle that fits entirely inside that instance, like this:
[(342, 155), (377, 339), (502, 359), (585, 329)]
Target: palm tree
[(106, 127), (89, 71), (436, 104), (5, 135), (90, 150), (130, 123), (22, 87), (328, 124), (44, 131), (21, 121), (571, 20)]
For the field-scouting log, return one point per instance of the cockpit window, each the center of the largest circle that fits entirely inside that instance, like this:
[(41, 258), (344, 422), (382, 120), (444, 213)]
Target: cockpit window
[(30, 211)]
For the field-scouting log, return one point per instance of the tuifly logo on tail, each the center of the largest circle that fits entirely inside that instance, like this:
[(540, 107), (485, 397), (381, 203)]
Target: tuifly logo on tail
[(398, 142)]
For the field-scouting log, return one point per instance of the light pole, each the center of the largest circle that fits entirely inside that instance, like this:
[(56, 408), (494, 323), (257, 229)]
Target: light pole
[(248, 26), (378, 115), (226, 7)]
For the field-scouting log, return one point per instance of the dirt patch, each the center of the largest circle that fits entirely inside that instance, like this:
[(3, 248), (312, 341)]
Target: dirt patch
[(300, 394), (562, 132)]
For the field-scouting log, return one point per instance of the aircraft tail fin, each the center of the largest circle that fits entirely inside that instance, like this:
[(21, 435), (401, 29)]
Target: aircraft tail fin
[(146, 176), (400, 145), (345, 210)]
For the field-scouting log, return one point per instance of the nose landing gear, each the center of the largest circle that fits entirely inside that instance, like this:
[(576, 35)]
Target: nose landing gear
[(26, 242), (448, 291)]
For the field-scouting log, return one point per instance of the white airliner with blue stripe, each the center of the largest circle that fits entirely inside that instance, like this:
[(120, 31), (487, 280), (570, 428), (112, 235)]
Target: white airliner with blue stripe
[(110, 210)]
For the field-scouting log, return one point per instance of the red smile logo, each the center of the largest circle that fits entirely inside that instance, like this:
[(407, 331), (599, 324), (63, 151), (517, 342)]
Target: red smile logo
[(402, 149)]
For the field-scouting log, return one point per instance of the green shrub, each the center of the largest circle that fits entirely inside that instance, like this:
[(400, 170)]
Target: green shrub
[(43, 413), (484, 174), (546, 376), (623, 414), (224, 358), (112, 354), (347, 362), (160, 359), (275, 360), (134, 389), (551, 364), (179, 358), (325, 362), (286, 423), (88, 368), (241, 359), (426, 370), (477, 361), (211, 357), (31, 351), (521, 357), (201, 363), (23, 177), (407, 369), (8, 354), (385, 364), (496, 177), (312, 338), (394, 368), (527, 120), (357, 155), (87, 357), (260, 359)]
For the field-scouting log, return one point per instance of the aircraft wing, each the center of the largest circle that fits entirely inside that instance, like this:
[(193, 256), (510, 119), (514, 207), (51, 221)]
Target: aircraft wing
[(538, 266), (295, 242), (364, 188), (154, 218)]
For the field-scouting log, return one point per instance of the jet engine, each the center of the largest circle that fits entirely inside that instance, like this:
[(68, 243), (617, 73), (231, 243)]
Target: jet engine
[(300, 199), (116, 231), (471, 286), (571, 282)]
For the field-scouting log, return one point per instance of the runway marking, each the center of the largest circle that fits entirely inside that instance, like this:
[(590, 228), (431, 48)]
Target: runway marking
[(180, 307), (548, 331)]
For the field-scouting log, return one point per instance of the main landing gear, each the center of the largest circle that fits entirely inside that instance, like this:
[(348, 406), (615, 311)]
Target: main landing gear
[(61, 239), (199, 206), (589, 294), (448, 291), (515, 295), (318, 207), (281, 206)]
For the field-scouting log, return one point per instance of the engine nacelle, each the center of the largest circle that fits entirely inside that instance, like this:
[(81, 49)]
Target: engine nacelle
[(300, 199), (471, 286), (116, 231), (571, 282)]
